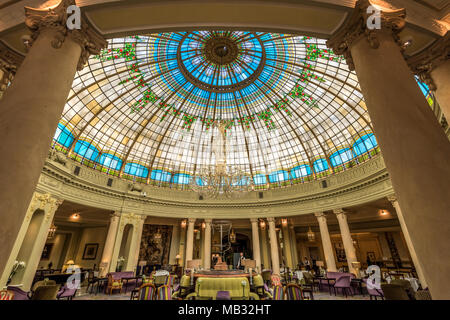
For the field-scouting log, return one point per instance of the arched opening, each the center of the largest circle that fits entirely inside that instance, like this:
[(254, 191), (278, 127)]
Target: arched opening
[(125, 245), (27, 247), (242, 244)]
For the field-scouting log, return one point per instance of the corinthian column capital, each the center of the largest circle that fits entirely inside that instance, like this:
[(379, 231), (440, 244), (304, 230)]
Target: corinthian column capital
[(423, 63), (356, 27), (90, 41), (392, 198)]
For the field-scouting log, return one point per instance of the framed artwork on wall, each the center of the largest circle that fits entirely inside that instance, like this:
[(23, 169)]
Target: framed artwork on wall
[(340, 252), (90, 251), (47, 251)]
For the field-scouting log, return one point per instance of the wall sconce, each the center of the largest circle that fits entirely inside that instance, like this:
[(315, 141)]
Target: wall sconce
[(203, 225), (284, 222), (51, 231), (262, 224), (75, 216), (183, 224)]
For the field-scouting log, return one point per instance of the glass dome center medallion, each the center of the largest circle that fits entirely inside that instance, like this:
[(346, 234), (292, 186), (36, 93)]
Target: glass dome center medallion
[(220, 61)]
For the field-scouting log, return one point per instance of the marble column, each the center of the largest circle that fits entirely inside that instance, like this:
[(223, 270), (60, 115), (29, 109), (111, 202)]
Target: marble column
[(274, 246), (31, 108), (326, 242), (190, 240), (136, 242), (109, 244), (287, 245), (415, 149), (264, 247), (182, 249), (174, 244), (350, 251), (207, 245), (409, 244), (293, 246), (255, 242), (31, 248), (31, 239)]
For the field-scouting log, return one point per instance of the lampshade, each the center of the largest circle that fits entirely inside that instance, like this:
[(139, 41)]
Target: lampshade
[(70, 262), (177, 256), (319, 263), (356, 264)]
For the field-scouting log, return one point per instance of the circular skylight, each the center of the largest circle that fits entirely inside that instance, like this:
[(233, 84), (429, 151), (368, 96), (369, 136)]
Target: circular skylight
[(144, 108)]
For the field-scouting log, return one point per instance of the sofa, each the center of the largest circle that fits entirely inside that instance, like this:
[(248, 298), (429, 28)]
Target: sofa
[(208, 288)]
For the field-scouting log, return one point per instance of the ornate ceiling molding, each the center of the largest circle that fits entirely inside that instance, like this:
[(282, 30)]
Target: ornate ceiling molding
[(356, 28), (90, 41), (362, 184)]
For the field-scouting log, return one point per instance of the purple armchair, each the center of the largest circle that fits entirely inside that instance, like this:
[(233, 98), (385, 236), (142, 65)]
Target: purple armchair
[(66, 293), (19, 294), (343, 283)]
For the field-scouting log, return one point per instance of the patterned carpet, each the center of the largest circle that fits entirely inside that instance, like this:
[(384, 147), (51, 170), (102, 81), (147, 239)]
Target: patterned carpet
[(82, 295)]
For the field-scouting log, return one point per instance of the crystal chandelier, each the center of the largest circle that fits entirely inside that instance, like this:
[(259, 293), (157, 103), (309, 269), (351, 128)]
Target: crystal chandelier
[(220, 179)]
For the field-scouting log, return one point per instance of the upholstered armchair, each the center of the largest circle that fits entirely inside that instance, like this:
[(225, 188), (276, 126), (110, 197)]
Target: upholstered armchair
[(394, 292), (275, 280), (294, 292), (114, 283), (343, 283), (261, 288), (164, 293), (45, 292), (183, 288), (278, 293), (147, 292), (19, 294)]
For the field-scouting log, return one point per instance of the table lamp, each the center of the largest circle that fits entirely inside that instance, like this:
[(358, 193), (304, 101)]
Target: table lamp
[(177, 258)]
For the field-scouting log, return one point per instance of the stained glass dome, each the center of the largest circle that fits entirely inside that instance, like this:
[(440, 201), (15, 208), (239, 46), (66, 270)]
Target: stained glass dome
[(144, 108)]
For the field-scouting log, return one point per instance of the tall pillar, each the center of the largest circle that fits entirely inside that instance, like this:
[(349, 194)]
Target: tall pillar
[(326, 242), (409, 244), (287, 245), (433, 68), (31, 239), (264, 247), (255, 242), (109, 244), (293, 246), (274, 246), (174, 244), (207, 246), (350, 251), (31, 248), (136, 242), (40, 87), (182, 249), (414, 146), (190, 240)]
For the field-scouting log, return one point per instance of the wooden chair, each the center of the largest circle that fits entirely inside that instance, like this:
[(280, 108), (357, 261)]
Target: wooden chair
[(147, 292), (164, 293), (113, 284), (294, 292)]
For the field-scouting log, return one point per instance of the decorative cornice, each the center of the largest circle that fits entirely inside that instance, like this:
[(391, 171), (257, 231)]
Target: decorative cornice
[(424, 63), (355, 27), (90, 41)]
